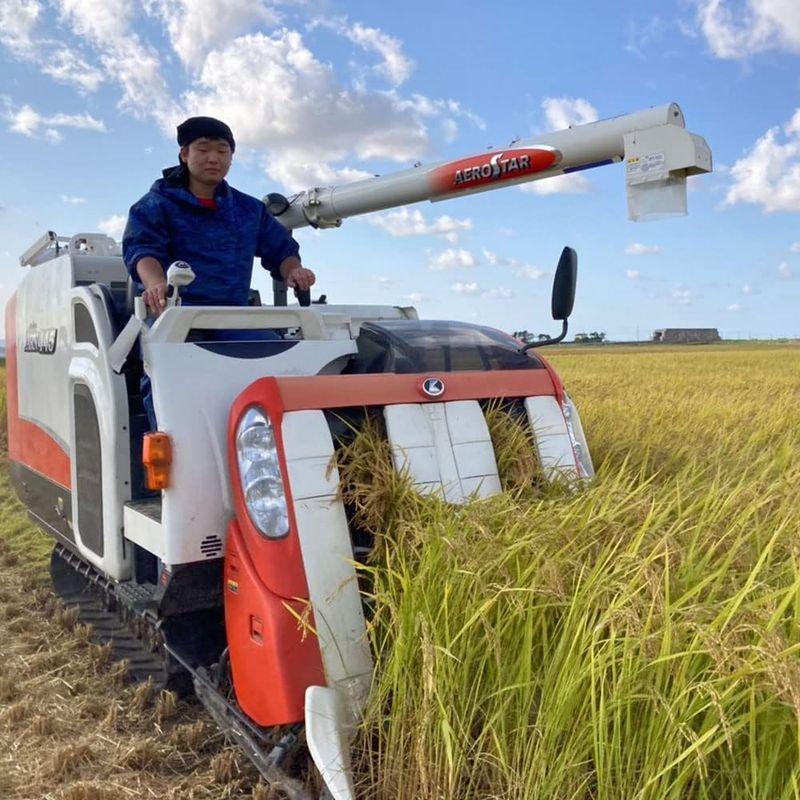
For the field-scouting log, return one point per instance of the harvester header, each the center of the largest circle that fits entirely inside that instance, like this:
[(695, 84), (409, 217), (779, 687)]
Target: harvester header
[(658, 151)]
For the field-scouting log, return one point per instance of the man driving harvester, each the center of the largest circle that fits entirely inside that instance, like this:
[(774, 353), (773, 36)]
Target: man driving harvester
[(191, 214)]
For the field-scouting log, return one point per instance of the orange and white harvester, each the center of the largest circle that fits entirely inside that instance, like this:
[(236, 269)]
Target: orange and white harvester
[(196, 547)]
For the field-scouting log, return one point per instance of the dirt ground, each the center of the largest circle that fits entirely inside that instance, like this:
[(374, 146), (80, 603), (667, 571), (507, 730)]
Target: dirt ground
[(71, 728)]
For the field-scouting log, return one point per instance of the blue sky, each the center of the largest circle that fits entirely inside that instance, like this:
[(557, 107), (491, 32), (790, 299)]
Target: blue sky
[(320, 93)]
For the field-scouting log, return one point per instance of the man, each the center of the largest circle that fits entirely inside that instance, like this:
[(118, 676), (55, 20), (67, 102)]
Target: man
[(192, 215)]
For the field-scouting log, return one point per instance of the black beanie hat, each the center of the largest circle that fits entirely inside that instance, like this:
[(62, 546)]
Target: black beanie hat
[(208, 127)]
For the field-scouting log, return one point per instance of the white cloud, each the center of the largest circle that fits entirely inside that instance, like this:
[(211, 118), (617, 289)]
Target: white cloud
[(498, 293), (18, 18), (113, 226), (66, 66), (449, 130), (72, 200), (747, 289), (18, 22), (632, 274), (574, 183), (489, 256), (795, 248), (396, 66), (784, 270), (564, 112), (734, 307), (452, 259), (411, 222), (415, 297), (529, 273), (561, 113), (306, 126), (126, 59), (195, 27), (751, 27), (769, 175), (465, 288), (638, 249), (278, 98), (29, 122)]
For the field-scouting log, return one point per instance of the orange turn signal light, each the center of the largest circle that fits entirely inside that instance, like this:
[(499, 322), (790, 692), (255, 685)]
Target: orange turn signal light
[(157, 459)]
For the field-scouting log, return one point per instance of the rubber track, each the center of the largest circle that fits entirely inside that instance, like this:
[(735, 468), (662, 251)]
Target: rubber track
[(101, 605), (109, 624)]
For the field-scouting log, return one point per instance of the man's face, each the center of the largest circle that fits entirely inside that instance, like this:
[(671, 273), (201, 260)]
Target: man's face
[(208, 160)]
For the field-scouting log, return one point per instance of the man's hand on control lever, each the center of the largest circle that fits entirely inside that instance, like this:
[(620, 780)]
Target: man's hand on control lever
[(151, 274), (295, 275)]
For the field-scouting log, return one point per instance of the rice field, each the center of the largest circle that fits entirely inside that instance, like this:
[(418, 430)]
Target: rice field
[(637, 639)]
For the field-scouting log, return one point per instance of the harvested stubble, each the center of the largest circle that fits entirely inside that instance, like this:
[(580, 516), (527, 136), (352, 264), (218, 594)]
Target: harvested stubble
[(70, 729), (638, 639)]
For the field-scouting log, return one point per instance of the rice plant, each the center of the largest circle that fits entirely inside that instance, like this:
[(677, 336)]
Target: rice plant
[(638, 639)]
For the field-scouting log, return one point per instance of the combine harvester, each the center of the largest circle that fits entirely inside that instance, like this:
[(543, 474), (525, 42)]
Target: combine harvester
[(196, 548)]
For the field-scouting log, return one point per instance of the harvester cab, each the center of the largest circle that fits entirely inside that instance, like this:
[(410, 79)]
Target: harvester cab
[(203, 543)]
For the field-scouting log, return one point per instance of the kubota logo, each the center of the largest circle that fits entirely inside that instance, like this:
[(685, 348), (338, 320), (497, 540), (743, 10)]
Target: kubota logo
[(469, 173), (433, 387)]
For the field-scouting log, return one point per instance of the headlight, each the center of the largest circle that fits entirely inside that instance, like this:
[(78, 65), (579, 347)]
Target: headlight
[(577, 437), (260, 474)]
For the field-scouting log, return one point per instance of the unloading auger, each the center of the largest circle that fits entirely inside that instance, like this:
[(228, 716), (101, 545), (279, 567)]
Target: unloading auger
[(195, 548)]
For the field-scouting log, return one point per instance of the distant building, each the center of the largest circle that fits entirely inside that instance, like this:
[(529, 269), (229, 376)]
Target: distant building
[(686, 335), (581, 337)]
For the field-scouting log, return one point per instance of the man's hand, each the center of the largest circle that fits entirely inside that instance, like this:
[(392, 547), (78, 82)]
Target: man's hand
[(296, 276), (151, 274), (155, 297)]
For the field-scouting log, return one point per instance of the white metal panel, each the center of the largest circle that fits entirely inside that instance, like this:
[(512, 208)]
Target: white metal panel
[(329, 731), (475, 459), (144, 531), (306, 435), (445, 458), (483, 486), (310, 477), (89, 365), (552, 437), (411, 440), (328, 555), (466, 422), (472, 448), (42, 380), (193, 389), (407, 426), (442, 445)]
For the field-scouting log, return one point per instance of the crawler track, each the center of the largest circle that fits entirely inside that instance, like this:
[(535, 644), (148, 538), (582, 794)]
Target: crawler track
[(119, 614)]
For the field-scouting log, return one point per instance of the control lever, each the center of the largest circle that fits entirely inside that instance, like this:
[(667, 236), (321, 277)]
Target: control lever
[(179, 274), (303, 296)]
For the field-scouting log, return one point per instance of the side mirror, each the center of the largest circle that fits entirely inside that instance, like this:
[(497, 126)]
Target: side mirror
[(563, 295), (276, 203), (564, 284)]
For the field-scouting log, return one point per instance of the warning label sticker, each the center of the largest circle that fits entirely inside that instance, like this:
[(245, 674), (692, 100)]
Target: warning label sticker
[(646, 168)]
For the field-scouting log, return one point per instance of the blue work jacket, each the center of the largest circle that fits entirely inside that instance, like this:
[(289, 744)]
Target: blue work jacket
[(169, 223)]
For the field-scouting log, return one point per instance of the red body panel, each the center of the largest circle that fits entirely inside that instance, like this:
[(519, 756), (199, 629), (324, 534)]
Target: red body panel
[(27, 442), (273, 659), (341, 391)]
